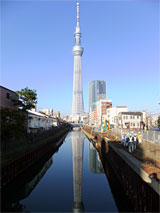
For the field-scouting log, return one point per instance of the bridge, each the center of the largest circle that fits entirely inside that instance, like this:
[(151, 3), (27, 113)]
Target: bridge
[(74, 125)]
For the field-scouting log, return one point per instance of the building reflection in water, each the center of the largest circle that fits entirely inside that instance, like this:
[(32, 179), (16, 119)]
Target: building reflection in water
[(95, 164), (31, 185), (77, 150), (13, 204)]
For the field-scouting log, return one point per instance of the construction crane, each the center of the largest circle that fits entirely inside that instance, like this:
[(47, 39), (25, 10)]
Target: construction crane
[(107, 125)]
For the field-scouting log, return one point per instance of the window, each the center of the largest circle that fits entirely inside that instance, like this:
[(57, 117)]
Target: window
[(133, 124), (123, 117), (127, 125), (133, 117), (126, 117), (137, 116), (130, 117), (8, 95)]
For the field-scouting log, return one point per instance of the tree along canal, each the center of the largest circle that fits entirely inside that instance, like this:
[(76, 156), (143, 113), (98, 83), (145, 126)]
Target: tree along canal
[(72, 179)]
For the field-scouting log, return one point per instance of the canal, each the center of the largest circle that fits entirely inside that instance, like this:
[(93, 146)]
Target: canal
[(71, 180)]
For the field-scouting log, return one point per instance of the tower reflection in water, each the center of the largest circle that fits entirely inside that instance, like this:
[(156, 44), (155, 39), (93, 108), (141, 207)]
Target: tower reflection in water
[(77, 150), (95, 164)]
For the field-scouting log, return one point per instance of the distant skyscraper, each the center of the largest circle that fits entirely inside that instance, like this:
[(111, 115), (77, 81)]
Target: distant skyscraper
[(77, 102), (97, 91)]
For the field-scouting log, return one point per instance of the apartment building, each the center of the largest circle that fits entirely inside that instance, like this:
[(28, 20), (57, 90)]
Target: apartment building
[(130, 120), (112, 114), (102, 107)]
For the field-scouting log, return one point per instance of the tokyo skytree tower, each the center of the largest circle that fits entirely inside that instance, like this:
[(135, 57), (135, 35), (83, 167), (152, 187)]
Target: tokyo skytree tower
[(77, 50)]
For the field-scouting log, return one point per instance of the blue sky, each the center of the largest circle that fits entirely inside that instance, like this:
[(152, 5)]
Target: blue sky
[(121, 46)]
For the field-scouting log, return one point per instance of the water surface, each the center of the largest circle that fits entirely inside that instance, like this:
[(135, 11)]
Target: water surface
[(71, 180)]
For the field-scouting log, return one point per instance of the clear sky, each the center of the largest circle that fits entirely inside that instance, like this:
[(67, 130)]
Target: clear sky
[(121, 41)]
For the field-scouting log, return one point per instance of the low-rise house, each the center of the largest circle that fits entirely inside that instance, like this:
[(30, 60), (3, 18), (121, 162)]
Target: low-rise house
[(84, 118), (55, 121), (38, 122), (66, 118), (152, 121), (112, 114), (56, 114), (130, 120), (6, 98), (48, 112)]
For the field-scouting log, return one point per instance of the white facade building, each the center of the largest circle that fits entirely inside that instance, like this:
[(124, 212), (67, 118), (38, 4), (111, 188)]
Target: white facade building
[(38, 121), (112, 114), (130, 120), (85, 118), (77, 50)]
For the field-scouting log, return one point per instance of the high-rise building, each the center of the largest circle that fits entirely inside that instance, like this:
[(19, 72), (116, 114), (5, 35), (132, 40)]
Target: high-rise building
[(97, 91), (77, 50)]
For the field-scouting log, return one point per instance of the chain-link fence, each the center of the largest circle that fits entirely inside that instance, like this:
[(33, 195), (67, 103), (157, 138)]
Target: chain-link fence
[(152, 136), (149, 135)]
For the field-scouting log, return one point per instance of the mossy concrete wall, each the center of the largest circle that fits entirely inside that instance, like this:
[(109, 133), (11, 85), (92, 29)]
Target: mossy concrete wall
[(142, 191)]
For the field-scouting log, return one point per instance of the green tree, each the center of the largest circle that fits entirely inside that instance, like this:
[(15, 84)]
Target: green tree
[(159, 121), (27, 99), (13, 124)]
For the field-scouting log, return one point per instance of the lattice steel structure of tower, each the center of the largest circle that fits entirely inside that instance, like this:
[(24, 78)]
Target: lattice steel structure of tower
[(77, 50)]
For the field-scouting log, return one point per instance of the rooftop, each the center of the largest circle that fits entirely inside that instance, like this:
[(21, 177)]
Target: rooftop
[(131, 113)]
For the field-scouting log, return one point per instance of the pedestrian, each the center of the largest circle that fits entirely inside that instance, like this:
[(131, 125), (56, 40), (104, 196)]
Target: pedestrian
[(123, 137), (139, 137), (127, 139), (134, 141), (130, 143)]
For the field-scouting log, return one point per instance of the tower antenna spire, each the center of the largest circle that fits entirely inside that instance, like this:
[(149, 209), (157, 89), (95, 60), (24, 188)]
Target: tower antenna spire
[(77, 13)]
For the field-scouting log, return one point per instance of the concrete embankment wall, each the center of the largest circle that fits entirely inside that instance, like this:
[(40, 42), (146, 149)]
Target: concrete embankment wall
[(13, 168), (141, 190)]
